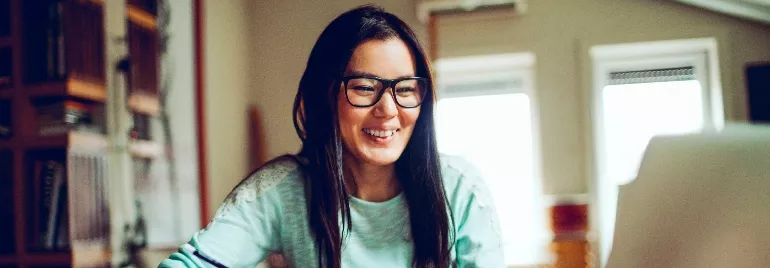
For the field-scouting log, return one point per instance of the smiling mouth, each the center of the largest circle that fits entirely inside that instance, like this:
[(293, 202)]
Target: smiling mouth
[(380, 133)]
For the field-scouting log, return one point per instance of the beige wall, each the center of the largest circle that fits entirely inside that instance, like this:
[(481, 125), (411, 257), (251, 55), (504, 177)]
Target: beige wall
[(256, 52), (227, 78), (561, 34)]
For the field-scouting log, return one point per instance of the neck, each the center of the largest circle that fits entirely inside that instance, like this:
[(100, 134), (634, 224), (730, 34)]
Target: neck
[(373, 183)]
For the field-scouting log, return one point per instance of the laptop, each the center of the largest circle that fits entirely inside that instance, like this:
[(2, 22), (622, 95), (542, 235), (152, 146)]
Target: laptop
[(698, 201)]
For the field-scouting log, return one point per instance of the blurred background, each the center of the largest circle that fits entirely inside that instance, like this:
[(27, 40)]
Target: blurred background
[(125, 123)]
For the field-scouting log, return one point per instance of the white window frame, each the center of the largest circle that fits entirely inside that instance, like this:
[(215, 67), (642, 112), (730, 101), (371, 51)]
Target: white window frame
[(474, 69), (699, 53)]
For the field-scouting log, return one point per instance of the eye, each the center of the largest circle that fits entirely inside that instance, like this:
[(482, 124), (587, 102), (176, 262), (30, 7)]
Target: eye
[(405, 90), (363, 88)]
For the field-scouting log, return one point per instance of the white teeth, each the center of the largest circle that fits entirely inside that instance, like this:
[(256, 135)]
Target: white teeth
[(380, 133)]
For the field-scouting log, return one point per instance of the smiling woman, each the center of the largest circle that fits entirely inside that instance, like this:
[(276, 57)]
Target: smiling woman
[(368, 187), (375, 132)]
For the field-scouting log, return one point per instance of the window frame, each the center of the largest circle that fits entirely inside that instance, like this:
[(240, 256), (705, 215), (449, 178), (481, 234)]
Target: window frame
[(700, 53), (475, 69)]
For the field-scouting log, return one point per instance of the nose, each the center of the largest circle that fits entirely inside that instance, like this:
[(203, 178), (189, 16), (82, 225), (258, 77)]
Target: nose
[(386, 107)]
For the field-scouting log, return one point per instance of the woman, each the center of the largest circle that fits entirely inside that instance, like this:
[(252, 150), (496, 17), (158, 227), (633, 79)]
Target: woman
[(368, 188)]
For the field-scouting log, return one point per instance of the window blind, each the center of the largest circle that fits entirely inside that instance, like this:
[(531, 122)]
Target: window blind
[(493, 87), (652, 76)]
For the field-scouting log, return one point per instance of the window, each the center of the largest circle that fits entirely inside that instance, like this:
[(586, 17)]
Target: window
[(485, 115), (670, 88)]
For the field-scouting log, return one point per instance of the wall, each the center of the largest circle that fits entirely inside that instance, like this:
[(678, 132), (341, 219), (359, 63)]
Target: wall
[(561, 34), (155, 192), (120, 184), (228, 61), (285, 32), (164, 234), (181, 102)]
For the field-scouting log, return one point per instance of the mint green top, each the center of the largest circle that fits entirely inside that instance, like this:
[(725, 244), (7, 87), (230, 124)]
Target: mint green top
[(267, 213)]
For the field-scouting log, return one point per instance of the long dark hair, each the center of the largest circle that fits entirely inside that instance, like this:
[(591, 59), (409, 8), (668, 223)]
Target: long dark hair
[(316, 122)]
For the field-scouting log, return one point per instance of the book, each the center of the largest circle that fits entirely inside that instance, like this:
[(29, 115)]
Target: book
[(142, 126), (63, 39), (45, 201), (6, 68), (5, 132), (58, 118), (63, 232), (5, 119), (57, 200)]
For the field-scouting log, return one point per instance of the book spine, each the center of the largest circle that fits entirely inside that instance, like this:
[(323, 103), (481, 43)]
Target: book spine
[(61, 64), (56, 200), (46, 195), (63, 233)]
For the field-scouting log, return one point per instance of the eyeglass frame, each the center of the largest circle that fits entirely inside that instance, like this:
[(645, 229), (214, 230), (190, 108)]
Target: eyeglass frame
[(386, 83)]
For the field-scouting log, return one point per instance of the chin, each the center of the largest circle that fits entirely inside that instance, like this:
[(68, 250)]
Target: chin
[(381, 158)]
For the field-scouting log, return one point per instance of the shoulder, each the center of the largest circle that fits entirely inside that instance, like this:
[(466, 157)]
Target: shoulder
[(283, 171), (267, 177), (459, 173), (464, 184)]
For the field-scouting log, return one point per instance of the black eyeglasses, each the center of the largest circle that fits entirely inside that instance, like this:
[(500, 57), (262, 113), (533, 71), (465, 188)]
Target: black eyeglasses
[(365, 91)]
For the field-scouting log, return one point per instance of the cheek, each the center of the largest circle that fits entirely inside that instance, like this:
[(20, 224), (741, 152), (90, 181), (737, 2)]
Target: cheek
[(409, 124), (350, 118), (409, 116)]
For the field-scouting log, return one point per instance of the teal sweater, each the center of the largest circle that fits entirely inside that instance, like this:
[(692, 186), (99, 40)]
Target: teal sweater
[(267, 213)]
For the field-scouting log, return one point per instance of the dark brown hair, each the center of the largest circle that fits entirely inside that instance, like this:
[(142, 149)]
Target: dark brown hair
[(317, 124)]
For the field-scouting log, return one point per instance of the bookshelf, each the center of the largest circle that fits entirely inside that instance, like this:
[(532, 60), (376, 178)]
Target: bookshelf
[(53, 147)]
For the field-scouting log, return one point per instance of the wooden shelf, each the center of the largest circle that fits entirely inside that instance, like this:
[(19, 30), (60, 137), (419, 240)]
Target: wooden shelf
[(142, 18), (48, 258), (144, 103), (98, 2), (71, 87), (75, 139), (91, 255), (88, 141), (146, 149)]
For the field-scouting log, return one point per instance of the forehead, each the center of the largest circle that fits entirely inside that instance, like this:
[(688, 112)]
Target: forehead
[(389, 59)]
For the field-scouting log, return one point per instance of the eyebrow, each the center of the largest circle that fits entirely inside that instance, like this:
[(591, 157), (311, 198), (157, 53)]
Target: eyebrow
[(360, 73)]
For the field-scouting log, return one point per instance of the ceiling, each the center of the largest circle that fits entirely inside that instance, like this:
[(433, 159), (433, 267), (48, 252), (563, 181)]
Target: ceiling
[(756, 10)]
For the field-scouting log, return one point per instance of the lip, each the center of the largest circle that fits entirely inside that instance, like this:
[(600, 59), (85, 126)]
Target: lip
[(381, 140), (381, 127)]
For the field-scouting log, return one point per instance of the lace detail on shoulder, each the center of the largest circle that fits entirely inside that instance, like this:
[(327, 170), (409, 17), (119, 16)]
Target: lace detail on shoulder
[(257, 183), (474, 180), (485, 203)]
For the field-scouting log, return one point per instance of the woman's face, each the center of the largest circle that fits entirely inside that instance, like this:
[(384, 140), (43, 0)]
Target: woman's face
[(378, 134)]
